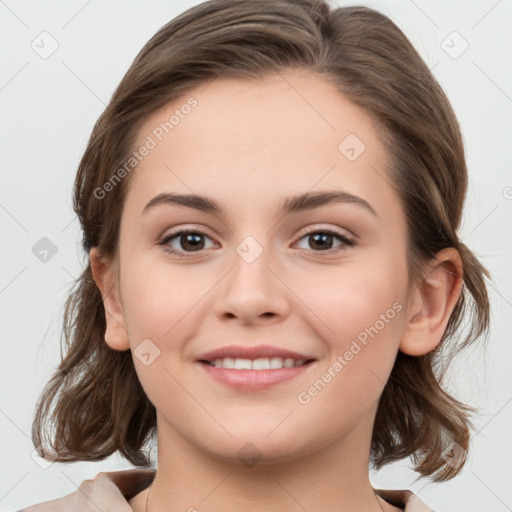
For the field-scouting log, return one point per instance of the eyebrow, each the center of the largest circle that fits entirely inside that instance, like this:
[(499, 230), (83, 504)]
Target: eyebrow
[(293, 204)]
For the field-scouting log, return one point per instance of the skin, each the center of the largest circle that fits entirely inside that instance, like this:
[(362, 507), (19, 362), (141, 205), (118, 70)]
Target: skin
[(247, 145)]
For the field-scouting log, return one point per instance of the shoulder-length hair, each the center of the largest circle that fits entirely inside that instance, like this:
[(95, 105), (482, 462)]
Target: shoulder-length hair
[(83, 412)]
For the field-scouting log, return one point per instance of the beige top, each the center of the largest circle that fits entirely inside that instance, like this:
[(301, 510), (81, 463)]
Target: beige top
[(404, 499)]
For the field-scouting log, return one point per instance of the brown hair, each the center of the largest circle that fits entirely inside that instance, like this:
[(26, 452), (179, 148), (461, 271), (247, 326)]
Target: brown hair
[(375, 66)]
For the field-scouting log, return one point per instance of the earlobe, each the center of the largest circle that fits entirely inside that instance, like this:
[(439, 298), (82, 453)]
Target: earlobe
[(432, 303), (106, 279)]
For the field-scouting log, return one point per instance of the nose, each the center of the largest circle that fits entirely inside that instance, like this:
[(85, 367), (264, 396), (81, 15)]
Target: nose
[(253, 291)]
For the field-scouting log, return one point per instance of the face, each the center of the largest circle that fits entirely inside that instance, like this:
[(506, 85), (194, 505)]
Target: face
[(258, 274)]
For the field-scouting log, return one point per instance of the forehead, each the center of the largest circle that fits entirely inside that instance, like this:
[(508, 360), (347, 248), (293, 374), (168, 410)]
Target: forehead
[(247, 140)]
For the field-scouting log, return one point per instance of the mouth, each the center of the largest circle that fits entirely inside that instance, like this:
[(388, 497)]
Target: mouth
[(262, 363), (254, 368)]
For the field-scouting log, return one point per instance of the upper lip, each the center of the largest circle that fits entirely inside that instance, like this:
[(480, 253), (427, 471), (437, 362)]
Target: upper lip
[(256, 352)]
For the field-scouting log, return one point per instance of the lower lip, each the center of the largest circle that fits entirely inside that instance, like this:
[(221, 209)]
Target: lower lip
[(253, 380)]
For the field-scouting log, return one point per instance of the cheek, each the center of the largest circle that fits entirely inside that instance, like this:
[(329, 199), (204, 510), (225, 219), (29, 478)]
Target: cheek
[(351, 298), (364, 316), (158, 298), (161, 309), (360, 308)]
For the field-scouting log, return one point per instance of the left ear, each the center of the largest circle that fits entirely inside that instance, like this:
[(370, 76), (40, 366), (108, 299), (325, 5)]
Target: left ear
[(431, 304)]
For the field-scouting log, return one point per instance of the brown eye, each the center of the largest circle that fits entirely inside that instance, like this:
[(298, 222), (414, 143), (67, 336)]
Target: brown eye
[(184, 241), (322, 241)]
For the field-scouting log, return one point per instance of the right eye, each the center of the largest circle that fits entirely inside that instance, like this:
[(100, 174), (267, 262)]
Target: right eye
[(189, 240)]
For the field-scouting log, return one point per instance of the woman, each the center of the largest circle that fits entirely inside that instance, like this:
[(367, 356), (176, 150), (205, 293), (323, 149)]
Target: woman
[(281, 142)]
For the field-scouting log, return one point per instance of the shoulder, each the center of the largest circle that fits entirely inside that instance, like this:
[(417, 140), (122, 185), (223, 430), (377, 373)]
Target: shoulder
[(405, 499)]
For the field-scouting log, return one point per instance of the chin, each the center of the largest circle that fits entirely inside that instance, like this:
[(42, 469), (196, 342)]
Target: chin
[(251, 447)]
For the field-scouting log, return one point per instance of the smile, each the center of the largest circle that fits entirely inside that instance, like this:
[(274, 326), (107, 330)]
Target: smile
[(254, 375), (263, 363)]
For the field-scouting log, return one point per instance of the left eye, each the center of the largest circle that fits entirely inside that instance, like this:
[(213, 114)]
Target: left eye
[(321, 238)]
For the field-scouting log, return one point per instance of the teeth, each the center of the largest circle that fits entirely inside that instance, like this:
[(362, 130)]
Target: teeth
[(264, 363), (261, 364), (243, 364), (276, 362), (288, 363)]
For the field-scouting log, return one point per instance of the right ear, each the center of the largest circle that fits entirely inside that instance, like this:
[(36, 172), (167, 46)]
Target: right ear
[(104, 272)]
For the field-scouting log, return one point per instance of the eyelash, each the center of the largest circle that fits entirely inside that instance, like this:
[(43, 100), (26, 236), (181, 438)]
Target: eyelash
[(346, 242)]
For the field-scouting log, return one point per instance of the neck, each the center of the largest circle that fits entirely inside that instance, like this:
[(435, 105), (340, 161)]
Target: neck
[(334, 478)]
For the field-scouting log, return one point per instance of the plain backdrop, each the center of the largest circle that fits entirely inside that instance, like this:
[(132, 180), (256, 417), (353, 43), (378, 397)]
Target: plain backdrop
[(52, 92)]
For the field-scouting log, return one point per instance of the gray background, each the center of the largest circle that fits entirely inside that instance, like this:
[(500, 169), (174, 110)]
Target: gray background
[(48, 108)]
